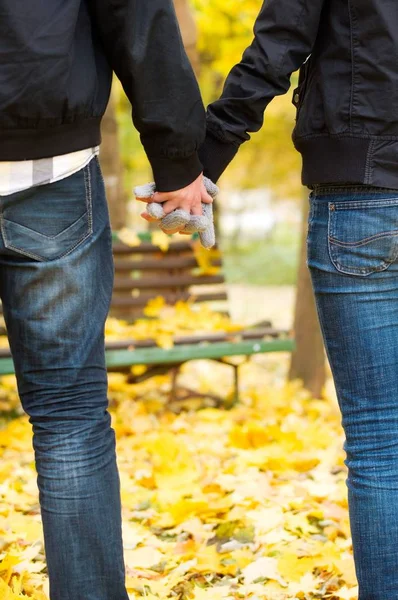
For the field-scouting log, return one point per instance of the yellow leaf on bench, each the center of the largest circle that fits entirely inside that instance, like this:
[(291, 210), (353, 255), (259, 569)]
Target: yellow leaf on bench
[(154, 306), (205, 258), (128, 237), (161, 239)]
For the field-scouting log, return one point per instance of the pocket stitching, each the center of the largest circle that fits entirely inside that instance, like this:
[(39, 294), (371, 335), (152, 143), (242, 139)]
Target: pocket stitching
[(20, 251), (352, 270), (383, 266), (88, 197), (43, 235), (10, 246), (364, 241)]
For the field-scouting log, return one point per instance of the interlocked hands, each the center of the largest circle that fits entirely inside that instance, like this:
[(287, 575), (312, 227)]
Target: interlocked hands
[(184, 220)]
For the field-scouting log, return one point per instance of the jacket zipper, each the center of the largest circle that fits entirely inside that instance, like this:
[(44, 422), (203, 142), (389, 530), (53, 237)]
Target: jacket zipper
[(299, 92)]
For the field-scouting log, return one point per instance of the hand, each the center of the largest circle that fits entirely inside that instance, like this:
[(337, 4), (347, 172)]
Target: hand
[(189, 199)]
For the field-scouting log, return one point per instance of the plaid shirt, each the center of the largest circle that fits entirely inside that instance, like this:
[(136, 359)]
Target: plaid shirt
[(21, 175)]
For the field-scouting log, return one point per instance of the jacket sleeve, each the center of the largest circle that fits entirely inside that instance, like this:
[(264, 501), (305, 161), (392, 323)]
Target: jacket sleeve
[(285, 32), (143, 45)]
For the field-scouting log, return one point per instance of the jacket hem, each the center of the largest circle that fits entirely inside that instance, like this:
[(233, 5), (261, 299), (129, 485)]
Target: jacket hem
[(369, 161), (32, 144)]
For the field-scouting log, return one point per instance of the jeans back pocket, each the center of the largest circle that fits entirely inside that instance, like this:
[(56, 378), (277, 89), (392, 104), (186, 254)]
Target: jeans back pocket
[(363, 235), (49, 221)]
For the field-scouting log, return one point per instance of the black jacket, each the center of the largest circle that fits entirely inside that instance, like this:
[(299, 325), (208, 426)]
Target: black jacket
[(347, 99), (56, 63)]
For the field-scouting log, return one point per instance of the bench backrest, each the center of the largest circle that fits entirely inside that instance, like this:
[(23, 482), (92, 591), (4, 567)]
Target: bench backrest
[(144, 272)]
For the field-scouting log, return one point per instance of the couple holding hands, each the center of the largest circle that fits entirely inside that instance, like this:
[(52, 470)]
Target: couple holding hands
[(56, 270)]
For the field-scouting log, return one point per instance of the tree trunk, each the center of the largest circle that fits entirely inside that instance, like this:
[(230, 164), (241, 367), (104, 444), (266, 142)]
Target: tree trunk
[(308, 360), (112, 168), (189, 31), (190, 38)]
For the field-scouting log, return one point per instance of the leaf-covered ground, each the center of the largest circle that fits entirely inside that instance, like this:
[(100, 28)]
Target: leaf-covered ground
[(245, 502)]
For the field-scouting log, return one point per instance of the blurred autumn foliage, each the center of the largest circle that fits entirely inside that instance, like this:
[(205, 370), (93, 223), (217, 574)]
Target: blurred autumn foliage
[(217, 504), (225, 29)]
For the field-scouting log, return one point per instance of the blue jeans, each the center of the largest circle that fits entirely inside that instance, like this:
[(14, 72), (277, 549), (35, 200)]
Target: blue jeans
[(56, 278), (352, 247)]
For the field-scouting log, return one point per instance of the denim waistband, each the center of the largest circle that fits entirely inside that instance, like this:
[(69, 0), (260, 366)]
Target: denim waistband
[(325, 189)]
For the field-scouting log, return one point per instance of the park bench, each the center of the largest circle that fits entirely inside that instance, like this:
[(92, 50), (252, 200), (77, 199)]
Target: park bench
[(144, 272)]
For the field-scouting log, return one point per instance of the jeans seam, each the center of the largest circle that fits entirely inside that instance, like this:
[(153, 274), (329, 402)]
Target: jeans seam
[(87, 183), (311, 217), (100, 170), (89, 206)]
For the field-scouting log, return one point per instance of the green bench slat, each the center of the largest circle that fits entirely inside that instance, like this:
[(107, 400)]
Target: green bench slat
[(183, 353), (6, 366)]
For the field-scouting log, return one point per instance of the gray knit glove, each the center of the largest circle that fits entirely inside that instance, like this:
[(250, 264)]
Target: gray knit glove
[(180, 219)]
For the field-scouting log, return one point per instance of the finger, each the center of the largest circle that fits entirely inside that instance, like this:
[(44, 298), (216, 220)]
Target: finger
[(169, 206), (148, 217), (206, 198), (170, 231), (162, 196), (190, 204), (146, 200), (197, 210)]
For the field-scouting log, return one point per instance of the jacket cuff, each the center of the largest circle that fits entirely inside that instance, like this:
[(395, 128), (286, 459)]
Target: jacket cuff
[(171, 174), (215, 156)]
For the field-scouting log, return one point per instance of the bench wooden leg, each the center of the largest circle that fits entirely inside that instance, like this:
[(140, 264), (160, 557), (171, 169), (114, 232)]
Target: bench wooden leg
[(236, 383), (180, 394), (190, 393), (175, 371), (236, 394), (148, 374)]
